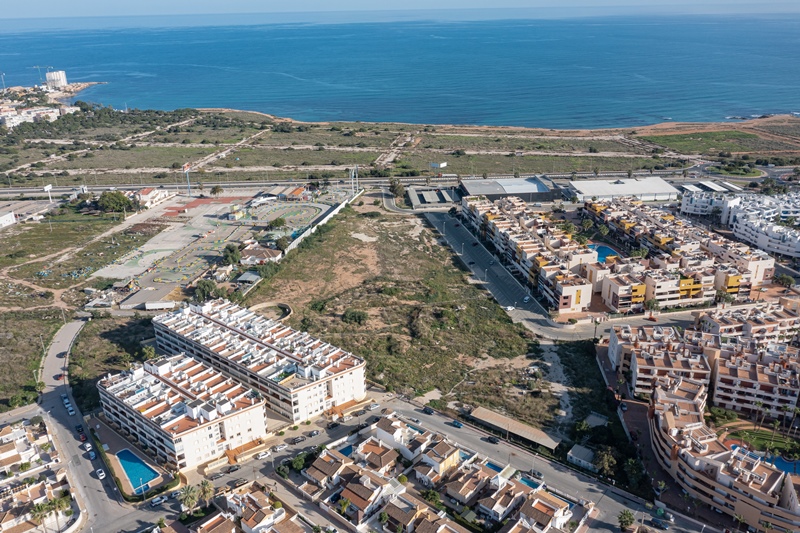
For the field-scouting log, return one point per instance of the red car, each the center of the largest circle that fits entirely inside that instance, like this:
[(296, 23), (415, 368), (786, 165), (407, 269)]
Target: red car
[(59, 377), (82, 436)]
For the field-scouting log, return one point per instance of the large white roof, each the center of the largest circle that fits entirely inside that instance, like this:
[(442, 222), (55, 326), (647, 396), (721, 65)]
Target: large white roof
[(623, 187)]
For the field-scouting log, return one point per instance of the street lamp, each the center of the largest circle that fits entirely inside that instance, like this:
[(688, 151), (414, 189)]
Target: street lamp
[(462, 248)]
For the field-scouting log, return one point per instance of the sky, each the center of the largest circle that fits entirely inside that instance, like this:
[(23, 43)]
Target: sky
[(388, 8)]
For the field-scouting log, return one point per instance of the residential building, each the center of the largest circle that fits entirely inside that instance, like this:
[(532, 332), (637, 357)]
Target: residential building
[(582, 456), (703, 203), (763, 324), (255, 254), (152, 196), (255, 510), (735, 482), (366, 491), (56, 79), (326, 469), (410, 442), (402, 513), (437, 461), (182, 410), (623, 293), (468, 482), (300, 376), (671, 289), (502, 495), (540, 512), (376, 455)]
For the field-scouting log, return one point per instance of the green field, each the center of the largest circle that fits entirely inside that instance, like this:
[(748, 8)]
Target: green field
[(21, 352), (423, 323), (257, 157), (139, 157), (375, 137), (718, 141), (518, 142), (104, 345)]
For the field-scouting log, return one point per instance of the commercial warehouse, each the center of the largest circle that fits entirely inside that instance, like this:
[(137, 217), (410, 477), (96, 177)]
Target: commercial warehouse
[(538, 189), (646, 189)]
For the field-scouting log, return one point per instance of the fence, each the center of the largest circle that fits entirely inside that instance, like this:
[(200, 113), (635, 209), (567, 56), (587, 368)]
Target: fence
[(327, 218)]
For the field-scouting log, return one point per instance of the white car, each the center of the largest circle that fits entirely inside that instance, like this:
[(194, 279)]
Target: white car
[(100, 473), (510, 308), (87, 446), (71, 411), (158, 500), (373, 406), (280, 447), (526, 299), (262, 455)]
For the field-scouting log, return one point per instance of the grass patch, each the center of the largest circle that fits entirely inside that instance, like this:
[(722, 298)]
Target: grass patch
[(24, 242), (424, 325), (138, 157), (66, 269), (742, 172), (21, 352), (713, 142), (104, 345), (587, 389), (511, 143), (14, 295), (250, 157), (762, 440)]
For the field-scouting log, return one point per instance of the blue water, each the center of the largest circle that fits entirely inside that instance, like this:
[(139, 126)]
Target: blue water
[(603, 251), (415, 428), (136, 470), (575, 73), (347, 451), (495, 467), (780, 463), (464, 455), (529, 482)]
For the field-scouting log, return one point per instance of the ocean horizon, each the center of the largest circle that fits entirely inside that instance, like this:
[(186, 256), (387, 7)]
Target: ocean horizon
[(609, 72)]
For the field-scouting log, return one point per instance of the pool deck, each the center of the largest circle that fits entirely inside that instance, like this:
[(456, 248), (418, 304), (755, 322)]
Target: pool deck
[(116, 443)]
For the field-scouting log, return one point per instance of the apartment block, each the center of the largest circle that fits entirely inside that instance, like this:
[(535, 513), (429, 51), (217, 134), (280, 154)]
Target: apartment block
[(735, 482), (671, 289), (763, 324), (623, 293), (300, 377), (182, 411)]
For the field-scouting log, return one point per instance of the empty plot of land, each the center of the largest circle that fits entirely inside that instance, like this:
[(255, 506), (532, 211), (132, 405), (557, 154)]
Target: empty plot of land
[(713, 142), (139, 157), (260, 157), (518, 142), (368, 138)]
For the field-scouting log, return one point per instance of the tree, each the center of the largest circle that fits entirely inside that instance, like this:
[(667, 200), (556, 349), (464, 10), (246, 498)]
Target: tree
[(775, 425), (605, 461), (277, 223), (231, 255), (148, 352), (652, 305), (344, 503), (568, 227), (625, 519), (662, 487), (205, 491), (739, 519), (724, 297), (431, 496), (603, 230), (216, 190), (402, 478), (396, 188), (581, 428), (783, 279), (759, 405), (633, 469), (188, 497), (114, 201), (299, 461), (383, 517), (639, 252), (40, 512), (283, 243), (40, 386), (586, 224), (58, 505), (204, 290), (352, 316)]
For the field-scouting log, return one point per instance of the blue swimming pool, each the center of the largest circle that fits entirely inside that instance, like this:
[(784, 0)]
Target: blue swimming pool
[(464, 455), (492, 466), (139, 474), (790, 467), (347, 451), (529, 482), (603, 251), (415, 428)]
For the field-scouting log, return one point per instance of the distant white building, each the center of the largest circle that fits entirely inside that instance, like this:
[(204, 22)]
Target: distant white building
[(56, 79), (645, 189), (7, 219), (582, 457)]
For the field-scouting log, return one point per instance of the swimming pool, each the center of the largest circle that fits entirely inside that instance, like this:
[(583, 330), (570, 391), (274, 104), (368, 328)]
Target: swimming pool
[(790, 467), (415, 428), (139, 474), (529, 482), (603, 251), (496, 468), (347, 451)]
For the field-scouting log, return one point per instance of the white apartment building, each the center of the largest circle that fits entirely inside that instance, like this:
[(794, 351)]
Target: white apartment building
[(767, 376), (300, 376), (182, 410), (764, 324), (672, 289), (703, 203), (654, 361), (623, 293)]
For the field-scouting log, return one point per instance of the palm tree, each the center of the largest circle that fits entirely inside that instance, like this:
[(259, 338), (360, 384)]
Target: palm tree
[(786, 410), (58, 505), (739, 521), (795, 412), (40, 513), (188, 497), (768, 526), (216, 190), (759, 405), (775, 425), (652, 305), (205, 491), (662, 488)]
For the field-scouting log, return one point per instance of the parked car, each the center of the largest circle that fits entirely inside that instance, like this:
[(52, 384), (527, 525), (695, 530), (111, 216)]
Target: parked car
[(493, 440), (526, 299), (474, 244), (427, 411), (158, 500), (623, 406), (92, 456), (82, 436), (280, 447), (659, 524), (537, 474), (298, 440), (262, 455), (333, 425), (59, 377), (509, 308), (87, 446), (457, 424), (347, 418), (240, 482), (174, 494), (361, 412), (232, 469), (79, 428), (100, 473), (415, 420), (215, 476), (373, 406), (314, 433), (64, 397), (71, 411)]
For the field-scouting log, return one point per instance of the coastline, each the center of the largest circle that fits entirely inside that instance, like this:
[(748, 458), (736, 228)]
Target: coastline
[(658, 128), (70, 90)]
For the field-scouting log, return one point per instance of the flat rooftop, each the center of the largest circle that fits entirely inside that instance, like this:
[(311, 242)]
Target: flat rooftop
[(506, 186), (623, 187)]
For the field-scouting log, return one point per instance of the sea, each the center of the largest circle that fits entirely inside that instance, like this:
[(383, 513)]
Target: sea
[(598, 72)]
